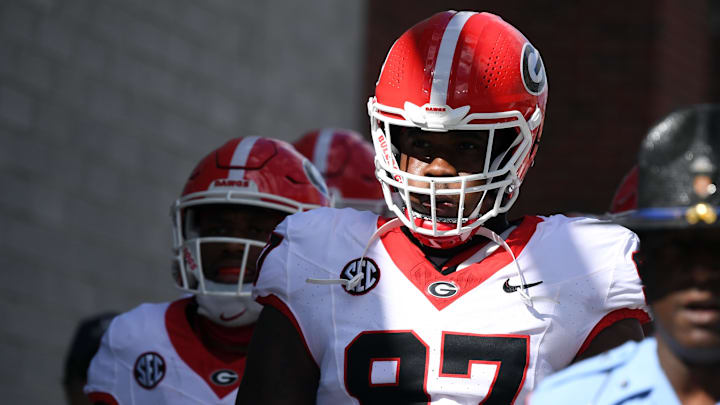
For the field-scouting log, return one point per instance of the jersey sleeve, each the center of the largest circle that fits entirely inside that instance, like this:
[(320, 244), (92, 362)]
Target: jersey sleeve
[(308, 250), (271, 284), (304, 246), (102, 373), (625, 297), (626, 290), (280, 276)]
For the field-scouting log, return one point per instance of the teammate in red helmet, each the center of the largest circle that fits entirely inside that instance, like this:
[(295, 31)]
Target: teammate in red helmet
[(347, 162), (193, 350), (85, 344), (625, 198), (448, 302)]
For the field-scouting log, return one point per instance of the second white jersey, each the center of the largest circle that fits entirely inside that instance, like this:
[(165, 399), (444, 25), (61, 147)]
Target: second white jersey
[(409, 334), (151, 355)]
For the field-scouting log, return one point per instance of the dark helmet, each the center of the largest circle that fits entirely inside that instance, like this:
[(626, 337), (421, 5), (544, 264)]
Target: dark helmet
[(678, 172)]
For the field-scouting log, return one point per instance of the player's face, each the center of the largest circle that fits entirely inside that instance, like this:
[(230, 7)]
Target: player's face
[(443, 154), (685, 268), (222, 262)]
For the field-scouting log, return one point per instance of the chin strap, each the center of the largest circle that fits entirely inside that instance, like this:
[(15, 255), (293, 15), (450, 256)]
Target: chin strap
[(523, 291), (350, 284)]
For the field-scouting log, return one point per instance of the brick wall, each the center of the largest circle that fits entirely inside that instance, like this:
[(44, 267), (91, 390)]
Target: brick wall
[(613, 69), (682, 56), (714, 26), (105, 107)]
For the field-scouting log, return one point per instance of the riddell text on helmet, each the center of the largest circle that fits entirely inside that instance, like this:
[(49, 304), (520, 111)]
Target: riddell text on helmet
[(386, 155)]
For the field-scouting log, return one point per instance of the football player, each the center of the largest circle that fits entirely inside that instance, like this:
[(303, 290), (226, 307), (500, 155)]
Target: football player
[(448, 302), (193, 350), (625, 198), (84, 345), (679, 261), (347, 162)]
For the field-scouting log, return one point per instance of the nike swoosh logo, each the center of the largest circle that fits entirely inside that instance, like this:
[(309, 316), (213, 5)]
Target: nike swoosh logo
[(230, 318), (512, 288)]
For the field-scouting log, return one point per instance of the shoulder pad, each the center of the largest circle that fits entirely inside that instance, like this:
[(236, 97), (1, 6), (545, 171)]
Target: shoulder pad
[(130, 327), (328, 222)]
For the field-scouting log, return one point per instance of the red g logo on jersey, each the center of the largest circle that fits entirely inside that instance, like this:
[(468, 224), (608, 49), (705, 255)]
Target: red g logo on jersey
[(370, 275), (442, 289), (149, 370), (224, 377)]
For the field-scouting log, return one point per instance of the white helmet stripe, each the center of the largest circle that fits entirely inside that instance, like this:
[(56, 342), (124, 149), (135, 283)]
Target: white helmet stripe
[(443, 64), (322, 149), (240, 157)]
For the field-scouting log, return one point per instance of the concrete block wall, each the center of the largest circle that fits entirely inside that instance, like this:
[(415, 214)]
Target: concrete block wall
[(105, 107)]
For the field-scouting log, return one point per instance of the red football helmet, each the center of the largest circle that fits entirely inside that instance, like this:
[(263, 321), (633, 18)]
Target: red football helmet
[(347, 162), (250, 171), (625, 198), (459, 71)]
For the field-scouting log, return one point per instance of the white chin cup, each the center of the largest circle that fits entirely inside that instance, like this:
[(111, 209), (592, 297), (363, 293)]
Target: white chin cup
[(229, 311)]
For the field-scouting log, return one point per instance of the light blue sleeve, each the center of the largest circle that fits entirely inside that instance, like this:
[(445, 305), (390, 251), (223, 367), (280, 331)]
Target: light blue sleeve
[(585, 382)]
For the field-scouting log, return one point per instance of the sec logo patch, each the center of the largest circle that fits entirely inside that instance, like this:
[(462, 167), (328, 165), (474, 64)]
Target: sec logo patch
[(370, 275), (149, 370)]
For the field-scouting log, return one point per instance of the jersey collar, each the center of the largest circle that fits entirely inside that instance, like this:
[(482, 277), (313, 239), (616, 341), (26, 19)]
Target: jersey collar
[(420, 272), (192, 351)]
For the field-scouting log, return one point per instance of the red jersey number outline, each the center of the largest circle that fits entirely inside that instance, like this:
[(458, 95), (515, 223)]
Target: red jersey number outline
[(511, 354)]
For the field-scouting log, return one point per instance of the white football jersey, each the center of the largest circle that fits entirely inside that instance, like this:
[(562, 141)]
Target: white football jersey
[(409, 334), (150, 355)]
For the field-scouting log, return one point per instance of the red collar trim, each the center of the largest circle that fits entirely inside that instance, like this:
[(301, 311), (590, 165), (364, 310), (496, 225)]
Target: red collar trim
[(413, 264), (192, 351)]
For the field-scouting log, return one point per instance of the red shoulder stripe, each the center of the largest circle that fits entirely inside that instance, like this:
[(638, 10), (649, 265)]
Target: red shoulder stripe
[(102, 398), (609, 320)]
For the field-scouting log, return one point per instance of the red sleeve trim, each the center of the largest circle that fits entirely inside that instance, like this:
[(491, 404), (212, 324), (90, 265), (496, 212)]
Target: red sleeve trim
[(274, 241), (612, 318), (277, 303), (102, 397), (636, 262)]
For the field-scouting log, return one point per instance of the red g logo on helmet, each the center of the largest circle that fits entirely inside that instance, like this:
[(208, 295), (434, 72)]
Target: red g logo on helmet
[(533, 70)]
